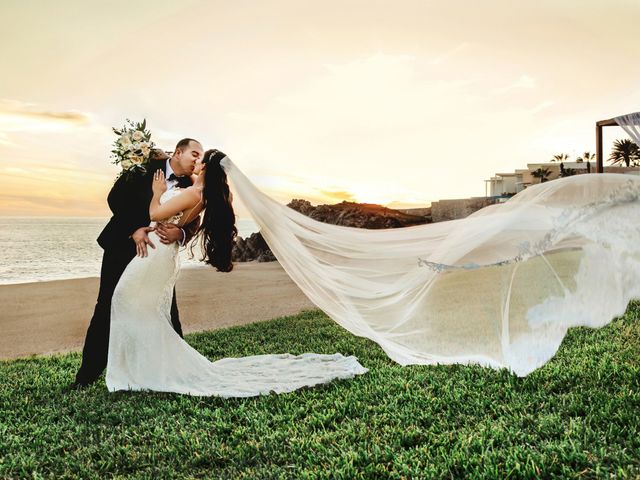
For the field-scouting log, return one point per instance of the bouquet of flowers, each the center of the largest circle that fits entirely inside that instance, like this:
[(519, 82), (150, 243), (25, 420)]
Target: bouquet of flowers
[(133, 147)]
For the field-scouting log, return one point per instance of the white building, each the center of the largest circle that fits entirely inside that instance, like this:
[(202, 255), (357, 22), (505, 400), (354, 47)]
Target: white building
[(506, 183)]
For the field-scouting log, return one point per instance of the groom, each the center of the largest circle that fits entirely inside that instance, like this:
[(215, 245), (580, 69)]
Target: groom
[(125, 236)]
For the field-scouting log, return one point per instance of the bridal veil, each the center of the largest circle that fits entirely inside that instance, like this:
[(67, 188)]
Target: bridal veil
[(499, 288)]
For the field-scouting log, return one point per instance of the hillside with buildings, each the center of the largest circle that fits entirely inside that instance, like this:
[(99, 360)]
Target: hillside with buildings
[(508, 184)]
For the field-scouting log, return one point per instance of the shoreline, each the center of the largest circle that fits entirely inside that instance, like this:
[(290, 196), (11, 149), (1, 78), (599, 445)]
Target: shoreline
[(183, 267), (51, 317)]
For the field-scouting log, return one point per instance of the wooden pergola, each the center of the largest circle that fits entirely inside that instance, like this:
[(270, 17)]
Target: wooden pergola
[(602, 123)]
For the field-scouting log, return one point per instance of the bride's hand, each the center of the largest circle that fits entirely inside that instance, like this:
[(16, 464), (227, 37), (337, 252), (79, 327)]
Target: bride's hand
[(159, 186)]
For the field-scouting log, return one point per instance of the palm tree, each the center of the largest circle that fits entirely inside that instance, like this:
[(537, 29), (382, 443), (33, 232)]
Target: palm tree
[(586, 157), (561, 157), (542, 174), (625, 151)]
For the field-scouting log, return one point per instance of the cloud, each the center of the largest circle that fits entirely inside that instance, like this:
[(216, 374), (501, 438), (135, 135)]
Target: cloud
[(17, 116), (338, 195), (385, 126), (525, 81), (13, 171), (542, 106), (47, 204), (441, 58)]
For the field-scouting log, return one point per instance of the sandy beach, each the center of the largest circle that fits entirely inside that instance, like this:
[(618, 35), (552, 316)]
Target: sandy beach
[(52, 317)]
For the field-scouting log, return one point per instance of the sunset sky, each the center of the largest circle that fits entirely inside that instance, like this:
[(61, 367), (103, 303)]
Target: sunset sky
[(391, 102)]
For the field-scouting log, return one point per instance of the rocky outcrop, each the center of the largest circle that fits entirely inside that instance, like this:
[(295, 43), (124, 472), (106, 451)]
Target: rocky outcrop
[(251, 248), (360, 215), (349, 214)]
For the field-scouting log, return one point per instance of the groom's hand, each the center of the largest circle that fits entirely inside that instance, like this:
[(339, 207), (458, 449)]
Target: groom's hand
[(169, 233), (141, 238)]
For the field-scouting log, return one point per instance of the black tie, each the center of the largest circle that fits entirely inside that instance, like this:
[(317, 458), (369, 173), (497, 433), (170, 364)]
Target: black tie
[(173, 177)]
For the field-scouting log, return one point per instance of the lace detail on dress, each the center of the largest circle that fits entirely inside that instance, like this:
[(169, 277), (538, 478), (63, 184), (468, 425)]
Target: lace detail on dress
[(166, 298), (165, 197)]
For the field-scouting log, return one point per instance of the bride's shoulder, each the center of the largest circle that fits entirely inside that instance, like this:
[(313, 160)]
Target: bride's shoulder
[(193, 191)]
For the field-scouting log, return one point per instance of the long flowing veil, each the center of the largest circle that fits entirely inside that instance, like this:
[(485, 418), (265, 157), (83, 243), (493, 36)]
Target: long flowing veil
[(499, 288)]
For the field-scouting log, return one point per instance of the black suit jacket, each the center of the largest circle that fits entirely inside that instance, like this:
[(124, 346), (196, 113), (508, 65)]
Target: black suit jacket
[(129, 201)]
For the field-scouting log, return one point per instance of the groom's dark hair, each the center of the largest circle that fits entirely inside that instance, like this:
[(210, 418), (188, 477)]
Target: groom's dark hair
[(184, 143)]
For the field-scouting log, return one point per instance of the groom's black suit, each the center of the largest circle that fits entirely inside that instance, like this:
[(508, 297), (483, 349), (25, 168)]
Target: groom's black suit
[(129, 201)]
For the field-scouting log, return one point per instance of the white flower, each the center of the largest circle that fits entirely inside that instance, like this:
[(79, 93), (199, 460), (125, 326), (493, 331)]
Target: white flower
[(126, 164), (125, 141), (136, 159), (137, 135), (145, 149)]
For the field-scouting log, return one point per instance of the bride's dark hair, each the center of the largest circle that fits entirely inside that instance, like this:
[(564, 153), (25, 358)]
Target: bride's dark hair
[(217, 231)]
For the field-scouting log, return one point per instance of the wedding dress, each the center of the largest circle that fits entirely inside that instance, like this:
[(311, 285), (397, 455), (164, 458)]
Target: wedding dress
[(499, 288), (145, 352)]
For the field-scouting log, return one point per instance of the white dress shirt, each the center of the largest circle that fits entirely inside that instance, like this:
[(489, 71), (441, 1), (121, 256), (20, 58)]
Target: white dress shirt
[(170, 183)]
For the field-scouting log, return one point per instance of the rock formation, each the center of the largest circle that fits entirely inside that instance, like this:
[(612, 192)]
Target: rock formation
[(251, 248), (349, 214)]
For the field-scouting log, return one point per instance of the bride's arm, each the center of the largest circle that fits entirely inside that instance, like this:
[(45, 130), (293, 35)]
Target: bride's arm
[(186, 199)]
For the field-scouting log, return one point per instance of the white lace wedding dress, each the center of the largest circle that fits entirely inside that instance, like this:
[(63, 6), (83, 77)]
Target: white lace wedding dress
[(145, 352)]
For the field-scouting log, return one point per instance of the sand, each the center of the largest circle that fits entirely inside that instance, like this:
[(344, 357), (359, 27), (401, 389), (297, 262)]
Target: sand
[(52, 317)]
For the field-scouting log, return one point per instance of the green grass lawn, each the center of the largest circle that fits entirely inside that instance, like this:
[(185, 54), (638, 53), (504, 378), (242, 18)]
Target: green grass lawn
[(576, 417)]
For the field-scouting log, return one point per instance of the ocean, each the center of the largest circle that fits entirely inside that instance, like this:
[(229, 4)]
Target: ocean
[(37, 249)]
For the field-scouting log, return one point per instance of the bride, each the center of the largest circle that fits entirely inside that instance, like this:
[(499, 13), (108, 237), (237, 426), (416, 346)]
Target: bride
[(146, 353)]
